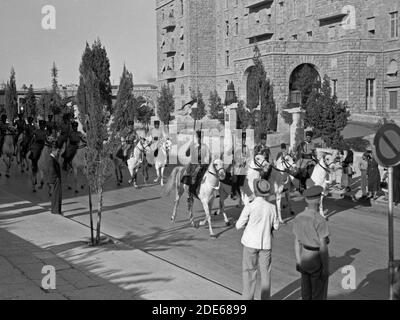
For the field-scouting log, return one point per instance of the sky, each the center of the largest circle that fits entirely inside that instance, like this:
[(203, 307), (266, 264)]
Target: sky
[(127, 29)]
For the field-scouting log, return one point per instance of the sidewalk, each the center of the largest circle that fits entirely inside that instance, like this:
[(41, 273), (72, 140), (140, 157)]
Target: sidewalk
[(31, 237)]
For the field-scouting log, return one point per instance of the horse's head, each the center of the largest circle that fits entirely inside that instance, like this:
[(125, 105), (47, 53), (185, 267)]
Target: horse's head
[(286, 162), (259, 163), (219, 168)]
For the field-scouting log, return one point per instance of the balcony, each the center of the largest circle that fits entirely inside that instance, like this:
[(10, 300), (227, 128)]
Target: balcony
[(258, 4), (259, 32), (169, 49), (169, 23), (170, 74)]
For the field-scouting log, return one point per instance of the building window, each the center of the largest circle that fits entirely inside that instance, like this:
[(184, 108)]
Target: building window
[(393, 100), (334, 87), (309, 7), (309, 34), (182, 8), (236, 26), (173, 63), (163, 15), (394, 25), (227, 28), (294, 37), (371, 25), (393, 70), (370, 94), (182, 89), (227, 58)]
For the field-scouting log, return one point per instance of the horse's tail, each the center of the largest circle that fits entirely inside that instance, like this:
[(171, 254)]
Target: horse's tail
[(171, 183)]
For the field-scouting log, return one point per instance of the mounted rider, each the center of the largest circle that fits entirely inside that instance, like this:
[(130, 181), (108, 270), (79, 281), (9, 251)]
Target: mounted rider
[(131, 139), (38, 142), (306, 153), (20, 125), (199, 161), (65, 130), (262, 148), (240, 161), (4, 129), (50, 125), (29, 130), (73, 141)]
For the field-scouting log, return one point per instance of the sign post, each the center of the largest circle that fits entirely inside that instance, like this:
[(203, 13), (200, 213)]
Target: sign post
[(387, 154)]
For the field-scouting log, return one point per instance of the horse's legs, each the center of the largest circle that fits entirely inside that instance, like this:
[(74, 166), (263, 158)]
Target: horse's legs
[(75, 171), (190, 208), (157, 172), (162, 175), (179, 192), (207, 208), (278, 200)]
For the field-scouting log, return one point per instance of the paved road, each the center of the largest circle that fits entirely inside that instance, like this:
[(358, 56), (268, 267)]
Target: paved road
[(141, 218)]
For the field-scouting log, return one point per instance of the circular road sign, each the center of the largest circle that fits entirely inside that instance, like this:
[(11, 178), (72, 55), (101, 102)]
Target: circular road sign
[(387, 145)]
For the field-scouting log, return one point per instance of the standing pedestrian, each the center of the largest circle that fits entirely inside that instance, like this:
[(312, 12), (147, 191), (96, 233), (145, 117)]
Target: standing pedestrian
[(55, 179), (363, 166), (374, 177), (260, 219), (311, 247), (347, 157)]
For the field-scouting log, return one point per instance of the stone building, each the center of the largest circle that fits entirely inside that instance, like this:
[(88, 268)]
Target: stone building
[(206, 43)]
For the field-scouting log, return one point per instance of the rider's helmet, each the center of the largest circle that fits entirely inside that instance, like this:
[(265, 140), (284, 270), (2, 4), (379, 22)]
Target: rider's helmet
[(3, 117), (283, 146), (30, 120), (42, 124), (74, 125), (309, 134)]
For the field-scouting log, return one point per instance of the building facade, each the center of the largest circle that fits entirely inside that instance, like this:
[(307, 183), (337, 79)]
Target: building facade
[(206, 43)]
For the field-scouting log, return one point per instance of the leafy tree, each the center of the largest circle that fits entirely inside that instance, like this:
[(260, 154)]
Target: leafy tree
[(216, 107), (11, 97), (245, 116), (30, 105), (326, 115), (95, 116), (96, 58), (199, 112), (166, 104), (125, 102), (260, 88), (233, 99)]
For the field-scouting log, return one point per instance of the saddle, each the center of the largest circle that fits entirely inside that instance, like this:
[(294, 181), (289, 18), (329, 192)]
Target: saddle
[(194, 188)]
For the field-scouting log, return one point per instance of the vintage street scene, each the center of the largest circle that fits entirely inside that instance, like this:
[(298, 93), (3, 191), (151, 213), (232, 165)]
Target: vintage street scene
[(200, 150)]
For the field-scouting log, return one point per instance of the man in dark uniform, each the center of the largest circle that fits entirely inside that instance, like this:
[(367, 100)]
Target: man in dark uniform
[(306, 155), (200, 160), (65, 130), (311, 247), (55, 179), (75, 137), (29, 132), (283, 152), (38, 142), (50, 125), (131, 138), (262, 147), (4, 128), (20, 124)]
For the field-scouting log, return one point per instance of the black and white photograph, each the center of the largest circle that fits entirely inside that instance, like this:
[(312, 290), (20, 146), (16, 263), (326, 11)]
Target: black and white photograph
[(207, 151)]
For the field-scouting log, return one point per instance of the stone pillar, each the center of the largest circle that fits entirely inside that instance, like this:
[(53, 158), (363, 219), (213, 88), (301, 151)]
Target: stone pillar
[(297, 127), (231, 116)]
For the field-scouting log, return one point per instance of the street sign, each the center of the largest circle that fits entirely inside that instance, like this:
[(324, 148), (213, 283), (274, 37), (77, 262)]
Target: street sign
[(387, 145), (387, 153)]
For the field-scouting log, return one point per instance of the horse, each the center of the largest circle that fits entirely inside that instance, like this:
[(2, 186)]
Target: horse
[(8, 150), (279, 180), (77, 164), (210, 183), (21, 152), (320, 177), (258, 164), (160, 158), (136, 158)]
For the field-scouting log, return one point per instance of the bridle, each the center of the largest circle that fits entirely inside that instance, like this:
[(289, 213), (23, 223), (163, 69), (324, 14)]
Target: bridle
[(259, 165), (286, 163), (217, 171)]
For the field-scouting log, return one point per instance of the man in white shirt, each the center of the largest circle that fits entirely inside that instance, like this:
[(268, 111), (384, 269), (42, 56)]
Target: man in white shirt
[(260, 219)]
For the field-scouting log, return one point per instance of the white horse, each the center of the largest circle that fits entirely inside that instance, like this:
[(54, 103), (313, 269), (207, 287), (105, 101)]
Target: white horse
[(136, 158), (8, 150), (279, 180), (258, 165), (208, 188), (77, 166), (160, 161), (321, 177)]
